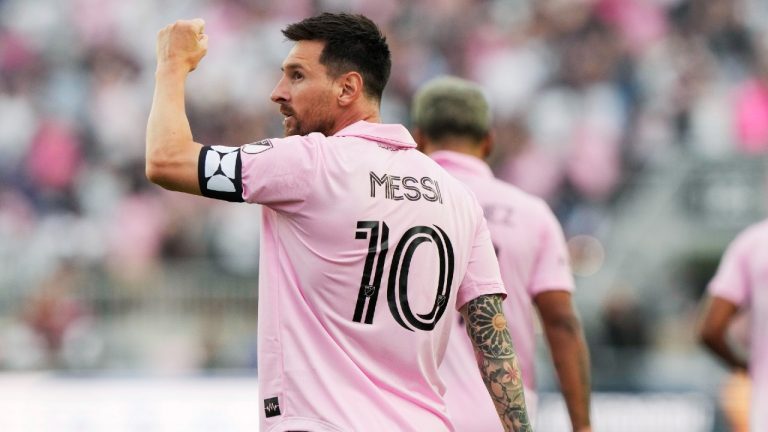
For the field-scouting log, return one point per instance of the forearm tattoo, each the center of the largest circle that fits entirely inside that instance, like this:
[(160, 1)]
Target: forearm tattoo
[(487, 328)]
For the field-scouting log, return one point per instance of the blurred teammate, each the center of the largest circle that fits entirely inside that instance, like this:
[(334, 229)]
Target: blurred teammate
[(740, 284), (368, 245), (452, 124)]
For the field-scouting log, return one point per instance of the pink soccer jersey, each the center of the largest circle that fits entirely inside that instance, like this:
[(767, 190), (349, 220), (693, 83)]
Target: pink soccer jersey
[(533, 258), (742, 279), (368, 249)]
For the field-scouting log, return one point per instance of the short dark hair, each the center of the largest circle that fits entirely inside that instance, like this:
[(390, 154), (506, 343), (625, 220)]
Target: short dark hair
[(352, 42), (450, 106)]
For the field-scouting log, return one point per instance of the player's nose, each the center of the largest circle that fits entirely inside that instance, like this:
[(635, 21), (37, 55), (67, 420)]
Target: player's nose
[(280, 92)]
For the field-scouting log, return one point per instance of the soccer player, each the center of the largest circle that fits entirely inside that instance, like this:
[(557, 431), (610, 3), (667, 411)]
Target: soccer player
[(369, 247), (452, 123), (739, 285)]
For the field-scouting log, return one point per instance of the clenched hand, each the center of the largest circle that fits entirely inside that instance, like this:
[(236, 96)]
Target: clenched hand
[(182, 45)]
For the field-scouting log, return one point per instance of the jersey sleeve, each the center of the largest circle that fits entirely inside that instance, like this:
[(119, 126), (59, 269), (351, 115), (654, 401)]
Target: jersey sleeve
[(552, 269), (483, 276), (274, 172), (731, 281)]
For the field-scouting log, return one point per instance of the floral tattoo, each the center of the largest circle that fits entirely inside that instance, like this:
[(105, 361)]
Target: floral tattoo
[(487, 328)]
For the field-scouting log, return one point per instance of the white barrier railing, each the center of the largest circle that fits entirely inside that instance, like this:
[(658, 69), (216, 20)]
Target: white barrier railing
[(41, 403)]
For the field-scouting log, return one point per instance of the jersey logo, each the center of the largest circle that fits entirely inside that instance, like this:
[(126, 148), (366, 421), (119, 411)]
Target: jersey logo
[(441, 299), (271, 407), (219, 173), (257, 147)]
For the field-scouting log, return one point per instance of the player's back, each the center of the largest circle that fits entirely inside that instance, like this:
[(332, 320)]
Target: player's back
[(356, 305), (532, 257)]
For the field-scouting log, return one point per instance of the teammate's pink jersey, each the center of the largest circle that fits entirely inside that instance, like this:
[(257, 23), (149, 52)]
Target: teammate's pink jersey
[(533, 258), (368, 249), (742, 279)]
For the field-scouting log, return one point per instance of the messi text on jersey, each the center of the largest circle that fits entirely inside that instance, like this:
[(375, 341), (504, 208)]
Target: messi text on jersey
[(409, 188)]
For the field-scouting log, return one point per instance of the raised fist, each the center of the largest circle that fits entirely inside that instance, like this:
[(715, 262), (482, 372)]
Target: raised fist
[(182, 44)]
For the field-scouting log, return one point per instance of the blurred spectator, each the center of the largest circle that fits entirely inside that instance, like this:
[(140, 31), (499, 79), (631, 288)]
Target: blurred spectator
[(54, 310), (625, 321), (751, 101)]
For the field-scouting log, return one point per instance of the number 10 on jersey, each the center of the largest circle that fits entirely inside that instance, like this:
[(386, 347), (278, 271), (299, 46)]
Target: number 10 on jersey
[(377, 233)]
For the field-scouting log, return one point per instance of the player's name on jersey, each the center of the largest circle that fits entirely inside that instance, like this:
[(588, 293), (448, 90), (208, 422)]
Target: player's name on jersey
[(409, 188)]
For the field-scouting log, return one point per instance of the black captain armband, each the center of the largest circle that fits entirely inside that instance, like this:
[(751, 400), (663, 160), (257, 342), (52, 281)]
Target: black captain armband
[(219, 172)]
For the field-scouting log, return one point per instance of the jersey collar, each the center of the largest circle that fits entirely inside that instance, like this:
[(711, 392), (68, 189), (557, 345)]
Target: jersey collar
[(460, 163), (394, 135)]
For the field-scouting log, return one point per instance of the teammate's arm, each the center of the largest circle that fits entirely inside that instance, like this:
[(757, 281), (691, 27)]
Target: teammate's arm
[(497, 360), (569, 353), (718, 313), (171, 153)]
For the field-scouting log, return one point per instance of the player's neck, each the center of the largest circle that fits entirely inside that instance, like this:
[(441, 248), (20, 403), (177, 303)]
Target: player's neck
[(460, 145), (364, 112)]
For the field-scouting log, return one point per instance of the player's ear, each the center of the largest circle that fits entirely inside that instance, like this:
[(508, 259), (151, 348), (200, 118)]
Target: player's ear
[(350, 87), (487, 144), (421, 141)]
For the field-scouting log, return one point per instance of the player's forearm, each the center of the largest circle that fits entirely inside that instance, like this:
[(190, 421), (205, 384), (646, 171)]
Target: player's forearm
[(487, 329), (718, 344), (168, 130), (571, 360), (718, 315), (508, 397)]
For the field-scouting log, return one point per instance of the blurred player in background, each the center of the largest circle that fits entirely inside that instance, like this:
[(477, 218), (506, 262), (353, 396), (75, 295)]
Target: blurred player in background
[(740, 285), (369, 247), (452, 123)]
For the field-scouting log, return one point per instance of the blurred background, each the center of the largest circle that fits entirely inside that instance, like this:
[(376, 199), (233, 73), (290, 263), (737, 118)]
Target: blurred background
[(644, 124)]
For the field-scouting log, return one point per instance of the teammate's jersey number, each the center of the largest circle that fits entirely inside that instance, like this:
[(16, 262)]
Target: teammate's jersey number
[(397, 287)]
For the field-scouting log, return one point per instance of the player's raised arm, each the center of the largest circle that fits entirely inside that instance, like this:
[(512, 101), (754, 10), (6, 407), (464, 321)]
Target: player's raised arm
[(487, 329), (171, 153)]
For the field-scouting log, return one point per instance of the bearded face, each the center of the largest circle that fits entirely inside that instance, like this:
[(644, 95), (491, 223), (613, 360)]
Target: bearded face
[(305, 92)]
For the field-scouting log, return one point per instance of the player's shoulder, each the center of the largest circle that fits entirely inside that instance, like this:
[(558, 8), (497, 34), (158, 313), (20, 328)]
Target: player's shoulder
[(755, 234), (522, 196), (311, 140), (760, 228), (460, 190), (318, 144), (523, 201)]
